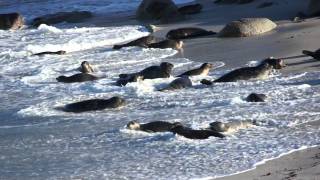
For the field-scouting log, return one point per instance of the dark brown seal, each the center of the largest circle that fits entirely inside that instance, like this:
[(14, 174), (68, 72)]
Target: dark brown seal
[(195, 134), (12, 21), (94, 105), (128, 79), (141, 42), (49, 52), (179, 83), (202, 70), (156, 126), (254, 97), (86, 67), (169, 43), (188, 32), (81, 77)]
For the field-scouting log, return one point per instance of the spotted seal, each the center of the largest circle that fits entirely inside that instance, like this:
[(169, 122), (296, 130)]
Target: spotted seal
[(179, 83), (155, 126), (94, 105), (81, 77), (169, 43), (258, 72), (153, 72), (231, 126), (50, 52), (141, 42), (202, 70), (188, 32), (86, 67), (315, 54), (195, 134)]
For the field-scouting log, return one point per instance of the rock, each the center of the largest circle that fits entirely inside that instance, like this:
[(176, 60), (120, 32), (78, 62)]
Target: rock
[(247, 27), (190, 9), (12, 21), (70, 17), (164, 10), (314, 8)]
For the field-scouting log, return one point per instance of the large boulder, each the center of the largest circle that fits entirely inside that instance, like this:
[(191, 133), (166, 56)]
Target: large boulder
[(247, 27), (164, 10), (70, 17), (314, 8), (11, 21)]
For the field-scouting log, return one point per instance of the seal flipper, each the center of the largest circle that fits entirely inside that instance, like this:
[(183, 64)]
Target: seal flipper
[(117, 47), (308, 53)]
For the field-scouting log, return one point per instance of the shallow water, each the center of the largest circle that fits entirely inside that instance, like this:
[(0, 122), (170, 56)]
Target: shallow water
[(40, 142)]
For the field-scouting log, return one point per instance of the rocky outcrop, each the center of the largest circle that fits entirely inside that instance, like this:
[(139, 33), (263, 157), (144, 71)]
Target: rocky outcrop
[(163, 10), (314, 8), (11, 21), (70, 17), (247, 27)]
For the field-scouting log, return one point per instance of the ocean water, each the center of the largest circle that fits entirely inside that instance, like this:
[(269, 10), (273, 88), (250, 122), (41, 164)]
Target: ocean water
[(37, 141)]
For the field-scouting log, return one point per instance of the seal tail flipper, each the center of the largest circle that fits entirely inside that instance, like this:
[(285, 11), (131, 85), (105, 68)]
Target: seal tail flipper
[(117, 47), (206, 82), (217, 134), (308, 53)]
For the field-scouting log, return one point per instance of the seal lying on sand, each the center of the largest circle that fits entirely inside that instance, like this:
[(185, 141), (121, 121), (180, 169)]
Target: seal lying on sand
[(49, 52), (126, 80), (231, 126), (195, 134), (156, 126), (153, 72), (86, 67), (259, 72), (94, 104), (315, 55), (169, 43), (141, 42), (202, 70), (179, 83), (254, 97), (190, 9), (81, 77), (189, 32)]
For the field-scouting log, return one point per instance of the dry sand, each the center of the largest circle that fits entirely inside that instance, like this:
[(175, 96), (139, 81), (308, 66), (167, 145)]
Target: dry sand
[(287, 40)]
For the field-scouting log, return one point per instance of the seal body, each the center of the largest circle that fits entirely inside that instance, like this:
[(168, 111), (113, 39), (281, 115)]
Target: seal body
[(190, 9), (195, 134), (275, 63), (230, 126), (49, 52), (12, 21), (188, 32), (179, 83), (315, 55), (254, 97), (141, 42), (81, 77), (153, 72), (169, 43), (86, 67), (94, 105), (202, 70), (125, 80), (156, 126)]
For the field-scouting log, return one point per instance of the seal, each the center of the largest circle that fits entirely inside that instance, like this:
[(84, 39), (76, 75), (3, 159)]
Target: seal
[(124, 81), (153, 72), (195, 134), (202, 70), (259, 72), (169, 43), (81, 77), (49, 52), (231, 126), (315, 54), (254, 97), (188, 32), (141, 42), (156, 126), (94, 105), (85, 67), (179, 83), (190, 9)]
